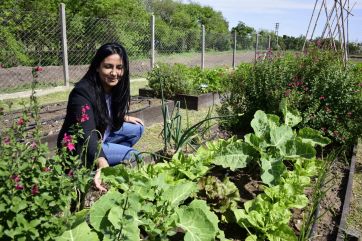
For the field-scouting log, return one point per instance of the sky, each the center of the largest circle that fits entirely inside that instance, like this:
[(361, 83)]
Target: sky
[(293, 16)]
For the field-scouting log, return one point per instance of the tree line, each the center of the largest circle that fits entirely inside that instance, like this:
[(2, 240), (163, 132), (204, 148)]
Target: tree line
[(28, 29)]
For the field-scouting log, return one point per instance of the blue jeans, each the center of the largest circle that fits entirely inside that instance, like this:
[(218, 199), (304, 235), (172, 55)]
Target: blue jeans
[(118, 145)]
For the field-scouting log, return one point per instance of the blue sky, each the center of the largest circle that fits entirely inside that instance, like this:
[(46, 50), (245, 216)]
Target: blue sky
[(292, 15)]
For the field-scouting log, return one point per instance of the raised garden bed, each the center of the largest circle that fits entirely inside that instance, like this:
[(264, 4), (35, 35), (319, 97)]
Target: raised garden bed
[(190, 102), (148, 110)]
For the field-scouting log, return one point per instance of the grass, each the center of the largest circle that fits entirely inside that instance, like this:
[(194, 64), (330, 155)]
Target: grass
[(151, 140), (354, 219), (60, 97)]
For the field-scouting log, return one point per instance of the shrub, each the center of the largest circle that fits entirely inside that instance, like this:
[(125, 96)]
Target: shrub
[(36, 190), (317, 84), (181, 79), (173, 78)]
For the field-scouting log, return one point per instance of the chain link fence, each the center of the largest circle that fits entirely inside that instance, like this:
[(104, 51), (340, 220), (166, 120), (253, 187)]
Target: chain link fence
[(26, 41), (85, 35), (177, 45)]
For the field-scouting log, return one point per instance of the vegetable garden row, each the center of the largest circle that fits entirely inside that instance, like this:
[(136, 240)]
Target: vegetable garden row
[(291, 115)]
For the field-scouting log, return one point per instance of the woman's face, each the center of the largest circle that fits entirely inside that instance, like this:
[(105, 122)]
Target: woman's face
[(110, 71)]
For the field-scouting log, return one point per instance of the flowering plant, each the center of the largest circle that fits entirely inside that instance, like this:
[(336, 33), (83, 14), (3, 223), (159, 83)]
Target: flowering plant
[(326, 93), (37, 190)]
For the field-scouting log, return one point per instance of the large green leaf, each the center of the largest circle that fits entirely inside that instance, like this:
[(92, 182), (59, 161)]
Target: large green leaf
[(123, 220), (196, 223), (82, 232), (283, 232), (291, 117), (272, 169), (234, 156), (295, 149), (100, 209), (260, 124), (201, 204), (280, 135), (313, 137), (258, 143), (178, 193)]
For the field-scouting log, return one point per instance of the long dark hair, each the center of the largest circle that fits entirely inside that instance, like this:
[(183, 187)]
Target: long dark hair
[(120, 93)]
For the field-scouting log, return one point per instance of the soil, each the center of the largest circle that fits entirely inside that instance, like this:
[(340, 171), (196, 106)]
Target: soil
[(248, 180), (331, 205), (52, 115)]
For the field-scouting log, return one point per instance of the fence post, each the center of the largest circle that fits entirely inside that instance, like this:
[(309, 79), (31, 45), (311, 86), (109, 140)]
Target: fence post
[(152, 24), (269, 43), (256, 45), (64, 44), (202, 47), (234, 50)]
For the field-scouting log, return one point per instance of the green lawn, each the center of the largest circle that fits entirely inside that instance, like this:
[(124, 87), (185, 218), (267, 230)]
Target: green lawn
[(61, 96)]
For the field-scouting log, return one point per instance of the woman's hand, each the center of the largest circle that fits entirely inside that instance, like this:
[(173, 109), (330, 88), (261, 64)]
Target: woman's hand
[(133, 120), (102, 162)]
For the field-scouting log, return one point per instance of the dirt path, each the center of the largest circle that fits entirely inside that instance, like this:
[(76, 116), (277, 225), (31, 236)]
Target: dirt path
[(53, 75)]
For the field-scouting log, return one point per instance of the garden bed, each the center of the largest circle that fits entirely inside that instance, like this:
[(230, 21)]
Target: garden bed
[(52, 116), (190, 102)]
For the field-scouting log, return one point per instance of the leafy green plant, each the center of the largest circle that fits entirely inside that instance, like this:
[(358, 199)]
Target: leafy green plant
[(150, 202), (327, 94), (37, 190), (175, 79), (181, 79)]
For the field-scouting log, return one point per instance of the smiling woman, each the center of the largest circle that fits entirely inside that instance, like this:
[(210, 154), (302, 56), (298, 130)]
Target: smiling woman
[(110, 71), (98, 104)]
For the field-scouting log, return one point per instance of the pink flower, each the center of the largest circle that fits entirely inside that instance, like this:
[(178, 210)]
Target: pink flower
[(322, 97), (349, 114), (70, 146), (67, 138), (19, 187), (38, 69), (287, 93), (16, 178), (84, 118), (20, 122), (47, 169), (33, 145), (34, 190), (70, 173), (7, 140)]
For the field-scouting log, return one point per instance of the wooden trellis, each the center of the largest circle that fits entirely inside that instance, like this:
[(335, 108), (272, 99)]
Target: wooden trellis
[(337, 14)]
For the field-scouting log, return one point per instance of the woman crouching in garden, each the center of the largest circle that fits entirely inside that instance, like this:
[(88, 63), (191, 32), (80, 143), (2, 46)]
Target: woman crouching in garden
[(99, 102)]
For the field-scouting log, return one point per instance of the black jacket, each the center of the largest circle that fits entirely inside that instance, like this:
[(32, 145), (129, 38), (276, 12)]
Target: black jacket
[(81, 96)]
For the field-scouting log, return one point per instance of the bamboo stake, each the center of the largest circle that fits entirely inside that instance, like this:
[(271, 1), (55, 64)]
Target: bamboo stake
[(310, 21), (328, 20), (315, 25), (343, 34), (329, 26)]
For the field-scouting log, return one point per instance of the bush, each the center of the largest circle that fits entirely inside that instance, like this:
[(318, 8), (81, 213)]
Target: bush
[(181, 79), (317, 84), (173, 79), (36, 190)]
